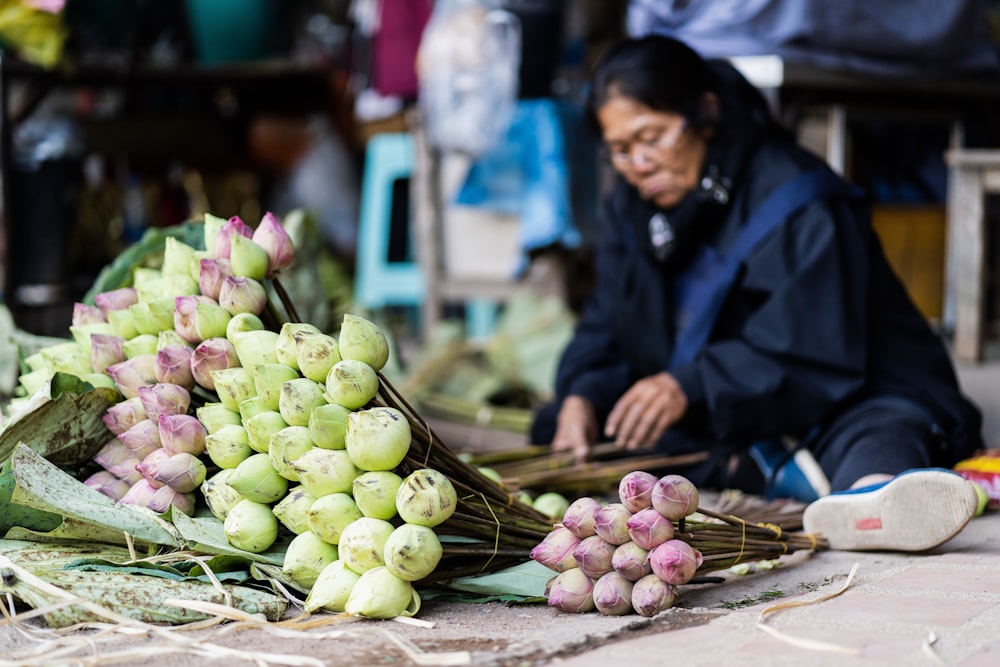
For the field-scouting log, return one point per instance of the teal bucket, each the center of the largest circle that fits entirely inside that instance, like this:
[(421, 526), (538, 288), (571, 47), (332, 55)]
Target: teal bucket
[(226, 31)]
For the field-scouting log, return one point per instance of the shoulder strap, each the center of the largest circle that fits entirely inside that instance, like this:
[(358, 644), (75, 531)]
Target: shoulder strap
[(704, 292)]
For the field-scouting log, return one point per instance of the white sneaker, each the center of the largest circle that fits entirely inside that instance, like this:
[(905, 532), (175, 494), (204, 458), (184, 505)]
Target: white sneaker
[(914, 511)]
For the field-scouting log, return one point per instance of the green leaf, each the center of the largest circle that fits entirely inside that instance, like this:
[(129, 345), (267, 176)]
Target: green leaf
[(65, 383), (66, 430), (525, 580), (12, 514), (43, 486)]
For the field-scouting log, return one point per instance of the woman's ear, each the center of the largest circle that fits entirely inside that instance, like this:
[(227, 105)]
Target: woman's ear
[(708, 111)]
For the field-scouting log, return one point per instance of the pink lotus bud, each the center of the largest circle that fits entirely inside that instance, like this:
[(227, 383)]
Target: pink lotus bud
[(272, 237), (675, 497), (579, 517), (242, 295), (116, 458), (105, 350), (139, 494), (555, 551), (118, 299), (182, 433), (593, 556), (571, 591), (611, 523), (133, 373), (214, 354), (650, 595), (122, 416), (636, 490), (164, 498), (106, 483), (150, 465), (613, 595), (142, 439), (173, 365), (248, 259), (631, 561), (223, 238), (164, 398), (675, 561), (213, 272), (182, 472), (649, 528), (86, 314), (185, 316)]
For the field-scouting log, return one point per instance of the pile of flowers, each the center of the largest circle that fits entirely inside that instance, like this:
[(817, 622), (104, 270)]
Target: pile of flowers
[(630, 556)]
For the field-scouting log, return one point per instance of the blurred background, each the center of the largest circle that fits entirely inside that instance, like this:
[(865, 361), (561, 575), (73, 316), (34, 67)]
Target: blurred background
[(441, 152)]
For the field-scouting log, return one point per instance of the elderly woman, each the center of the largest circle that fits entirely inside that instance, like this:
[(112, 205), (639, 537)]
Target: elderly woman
[(744, 308)]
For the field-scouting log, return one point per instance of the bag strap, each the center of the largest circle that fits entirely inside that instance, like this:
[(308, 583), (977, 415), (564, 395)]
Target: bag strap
[(776, 208)]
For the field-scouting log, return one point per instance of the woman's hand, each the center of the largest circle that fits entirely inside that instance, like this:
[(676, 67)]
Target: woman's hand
[(644, 412), (576, 428)]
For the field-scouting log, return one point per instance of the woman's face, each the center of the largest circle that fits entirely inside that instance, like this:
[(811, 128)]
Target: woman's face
[(656, 151)]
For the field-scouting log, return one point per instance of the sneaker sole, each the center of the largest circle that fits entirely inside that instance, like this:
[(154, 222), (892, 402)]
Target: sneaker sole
[(914, 512)]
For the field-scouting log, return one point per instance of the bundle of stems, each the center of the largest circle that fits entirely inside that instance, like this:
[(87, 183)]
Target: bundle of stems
[(501, 529), (467, 411), (725, 540)]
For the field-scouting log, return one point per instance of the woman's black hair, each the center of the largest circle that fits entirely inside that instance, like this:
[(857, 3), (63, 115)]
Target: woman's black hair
[(667, 75), (660, 72)]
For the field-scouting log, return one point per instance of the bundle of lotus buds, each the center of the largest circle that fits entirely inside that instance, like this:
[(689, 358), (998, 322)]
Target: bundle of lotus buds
[(283, 428), (630, 556)]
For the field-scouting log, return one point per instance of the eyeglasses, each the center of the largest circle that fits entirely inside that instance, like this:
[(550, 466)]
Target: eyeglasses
[(648, 147)]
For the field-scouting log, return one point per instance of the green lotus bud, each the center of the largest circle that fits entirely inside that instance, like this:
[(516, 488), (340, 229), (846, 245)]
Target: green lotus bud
[(315, 354), (182, 472), (490, 473), (177, 257), (150, 289), (255, 347), (293, 510), (122, 323), (251, 526), (233, 385), (242, 295), (214, 416), (285, 348), (351, 384), (551, 504), (305, 557), (141, 344), (328, 426), (412, 552), (210, 320), (69, 358), (178, 285), (144, 274), (170, 337), (153, 316), (99, 380), (329, 515), (298, 398), (268, 378), (228, 446), (381, 594), (243, 323), (35, 380), (213, 225), (525, 497), (426, 497), (332, 588), (323, 471), (375, 493), (248, 259), (378, 438), (253, 406), (261, 427), (256, 480), (361, 340), (82, 332), (362, 543), (36, 362), (286, 446)]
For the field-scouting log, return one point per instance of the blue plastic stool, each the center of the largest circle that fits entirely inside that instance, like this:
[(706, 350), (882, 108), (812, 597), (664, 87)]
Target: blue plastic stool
[(379, 282)]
